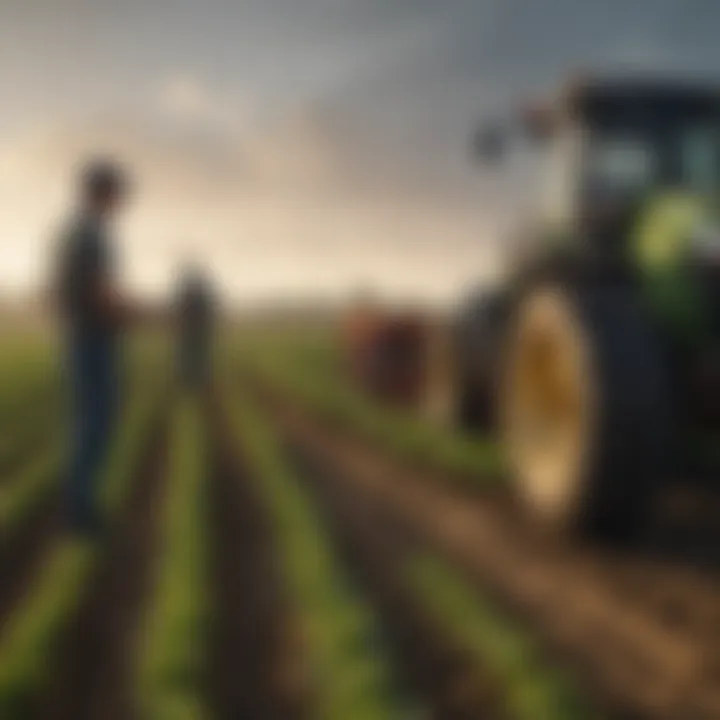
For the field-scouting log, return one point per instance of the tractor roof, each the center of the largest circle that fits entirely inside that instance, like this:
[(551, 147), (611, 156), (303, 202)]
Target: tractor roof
[(586, 94), (585, 97)]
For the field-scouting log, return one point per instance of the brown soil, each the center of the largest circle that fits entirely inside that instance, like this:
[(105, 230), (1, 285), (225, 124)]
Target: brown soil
[(22, 552), (252, 664), (23, 549), (95, 672), (642, 631), (445, 677)]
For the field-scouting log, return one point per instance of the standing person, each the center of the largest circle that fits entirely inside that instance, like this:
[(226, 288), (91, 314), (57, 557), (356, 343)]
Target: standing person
[(93, 315), (195, 328)]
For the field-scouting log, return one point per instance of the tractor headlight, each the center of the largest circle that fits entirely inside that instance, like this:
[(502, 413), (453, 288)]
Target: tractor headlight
[(706, 242)]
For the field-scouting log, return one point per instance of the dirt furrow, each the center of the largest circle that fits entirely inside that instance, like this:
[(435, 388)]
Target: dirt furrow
[(629, 649), (251, 661), (97, 652), (444, 676), (23, 550)]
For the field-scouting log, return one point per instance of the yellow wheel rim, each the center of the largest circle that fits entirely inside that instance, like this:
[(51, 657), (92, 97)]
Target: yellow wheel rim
[(547, 403)]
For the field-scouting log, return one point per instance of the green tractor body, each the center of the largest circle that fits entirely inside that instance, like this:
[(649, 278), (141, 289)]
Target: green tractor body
[(598, 360)]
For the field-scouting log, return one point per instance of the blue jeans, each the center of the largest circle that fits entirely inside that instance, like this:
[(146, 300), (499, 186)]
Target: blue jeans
[(94, 380)]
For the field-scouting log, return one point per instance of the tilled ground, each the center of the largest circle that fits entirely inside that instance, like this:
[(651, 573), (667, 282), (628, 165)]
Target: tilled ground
[(445, 677), (23, 548), (252, 661), (96, 655), (642, 632), (22, 552)]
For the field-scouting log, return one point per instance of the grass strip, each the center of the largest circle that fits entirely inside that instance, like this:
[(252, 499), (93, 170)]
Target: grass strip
[(172, 665), (349, 668), (532, 690), (24, 401), (26, 653), (21, 435), (21, 493), (477, 462), (25, 372)]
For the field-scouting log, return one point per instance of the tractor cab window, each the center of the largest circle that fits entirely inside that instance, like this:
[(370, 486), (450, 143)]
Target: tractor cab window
[(633, 153), (622, 165), (700, 158)]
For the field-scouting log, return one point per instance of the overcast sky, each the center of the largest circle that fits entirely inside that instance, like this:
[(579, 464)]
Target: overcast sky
[(302, 145)]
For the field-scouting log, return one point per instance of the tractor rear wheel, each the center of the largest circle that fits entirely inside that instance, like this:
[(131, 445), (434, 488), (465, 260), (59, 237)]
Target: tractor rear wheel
[(584, 408)]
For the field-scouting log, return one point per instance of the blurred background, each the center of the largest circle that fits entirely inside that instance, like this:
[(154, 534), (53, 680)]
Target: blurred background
[(359, 359), (304, 149)]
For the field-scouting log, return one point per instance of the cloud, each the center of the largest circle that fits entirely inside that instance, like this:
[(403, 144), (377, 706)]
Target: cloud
[(301, 204), (185, 100), (185, 97)]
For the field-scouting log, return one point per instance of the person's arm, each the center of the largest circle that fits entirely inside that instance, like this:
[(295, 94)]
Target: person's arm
[(111, 306), (106, 302)]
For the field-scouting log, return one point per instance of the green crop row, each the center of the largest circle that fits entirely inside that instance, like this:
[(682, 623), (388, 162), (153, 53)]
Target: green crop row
[(22, 398), (349, 673), (22, 492), (24, 354), (33, 386), (25, 366), (31, 370), (34, 425), (30, 637), (476, 462), (172, 661), (531, 690)]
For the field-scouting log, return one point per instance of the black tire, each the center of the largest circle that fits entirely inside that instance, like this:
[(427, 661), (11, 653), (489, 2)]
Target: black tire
[(474, 410), (627, 449), (478, 337)]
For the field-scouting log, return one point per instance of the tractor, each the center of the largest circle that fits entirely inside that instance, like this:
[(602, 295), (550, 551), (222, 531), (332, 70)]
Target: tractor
[(597, 359)]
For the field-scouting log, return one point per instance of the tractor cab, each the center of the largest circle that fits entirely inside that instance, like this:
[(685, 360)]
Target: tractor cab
[(611, 146), (602, 372)]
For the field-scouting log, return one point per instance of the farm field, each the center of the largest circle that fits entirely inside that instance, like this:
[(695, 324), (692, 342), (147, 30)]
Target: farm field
[(280, 547)]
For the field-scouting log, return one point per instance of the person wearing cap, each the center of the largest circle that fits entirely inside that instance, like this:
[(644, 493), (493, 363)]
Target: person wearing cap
[(93, 315)]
